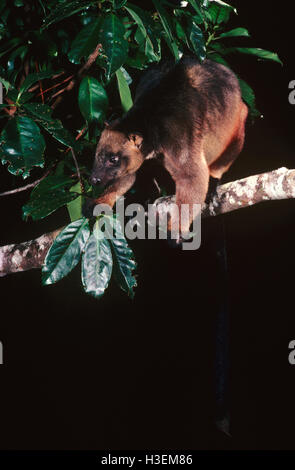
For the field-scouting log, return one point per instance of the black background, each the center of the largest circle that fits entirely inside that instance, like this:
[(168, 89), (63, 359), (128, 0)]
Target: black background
[(121, 374)]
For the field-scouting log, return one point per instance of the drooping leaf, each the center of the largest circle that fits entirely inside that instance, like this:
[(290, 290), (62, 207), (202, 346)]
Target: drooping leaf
[(150, 43), (51, 194), (22, 146), (117, 4), (196, 39), (165, 20), (248, 96), (196, 7), (124, 90), (65, 252), (261, 53), (41, 113), (114, 44), (97, 264), (220, 11), (181, 33), (237, 32), (93, 100), (5, 83), (75, 207), (217, 58), (124, 263), (85, 42), (65, 9)]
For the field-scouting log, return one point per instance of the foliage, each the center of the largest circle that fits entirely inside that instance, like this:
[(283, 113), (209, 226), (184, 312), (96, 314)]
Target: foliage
[(46, 48)]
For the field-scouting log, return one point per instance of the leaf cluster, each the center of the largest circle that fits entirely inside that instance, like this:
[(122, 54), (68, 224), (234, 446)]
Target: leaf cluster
[(45, 48)]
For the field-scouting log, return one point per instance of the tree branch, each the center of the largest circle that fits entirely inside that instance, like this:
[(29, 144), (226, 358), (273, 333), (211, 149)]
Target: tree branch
[(275, 185), (272, 186), (24, 256)]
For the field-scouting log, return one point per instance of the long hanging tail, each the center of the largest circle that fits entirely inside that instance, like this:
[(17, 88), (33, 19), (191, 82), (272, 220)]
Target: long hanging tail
[(222, 340)]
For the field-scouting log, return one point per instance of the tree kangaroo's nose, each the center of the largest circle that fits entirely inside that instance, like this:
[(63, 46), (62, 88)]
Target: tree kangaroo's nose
[(93, 180)]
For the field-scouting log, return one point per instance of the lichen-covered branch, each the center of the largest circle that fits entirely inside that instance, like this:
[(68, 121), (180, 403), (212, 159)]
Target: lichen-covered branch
[(24, 256), (275, 185), (271, 186)]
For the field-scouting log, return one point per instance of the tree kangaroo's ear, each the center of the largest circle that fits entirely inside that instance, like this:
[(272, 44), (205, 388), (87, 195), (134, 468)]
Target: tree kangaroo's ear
[(136, 139), (111, 124)]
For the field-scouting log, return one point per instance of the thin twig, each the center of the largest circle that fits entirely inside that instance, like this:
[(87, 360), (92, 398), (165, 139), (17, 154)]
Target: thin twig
[(40, 82), (56, 85), (25, 188), (77, 166), (77, 137), (90, 61)]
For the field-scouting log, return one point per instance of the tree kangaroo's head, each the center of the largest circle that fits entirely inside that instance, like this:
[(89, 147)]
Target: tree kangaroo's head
[(117, 155)]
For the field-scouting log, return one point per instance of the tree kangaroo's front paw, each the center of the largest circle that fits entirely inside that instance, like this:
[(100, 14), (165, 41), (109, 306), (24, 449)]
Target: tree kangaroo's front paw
[(88, 207), (174, 241)]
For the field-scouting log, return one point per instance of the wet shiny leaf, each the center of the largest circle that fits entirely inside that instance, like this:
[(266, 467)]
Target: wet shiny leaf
[(66, 251), (97, 264), (22, 146)]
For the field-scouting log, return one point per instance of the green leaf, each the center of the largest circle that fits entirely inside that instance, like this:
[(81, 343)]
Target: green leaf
[(197, 40), (85, 42), (220, 11), (93, 100), (248, 96), (217, 58), (138, 61), (196, 7), (5, 83), (261, 53), (22, 146), (117, 4), (181, 34), (33, 78), (115, 46), (8, 46), (165, 20), (124, 263), (151, 45), (237, 32), (41, 113), (124, 90), (17, 98), (51, 194), (97, 264), (65, 9), (75, 207), (66, 251)]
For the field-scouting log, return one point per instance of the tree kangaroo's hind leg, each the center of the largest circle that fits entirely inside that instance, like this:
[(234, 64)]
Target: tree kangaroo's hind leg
[(191, 188), (233, 149)]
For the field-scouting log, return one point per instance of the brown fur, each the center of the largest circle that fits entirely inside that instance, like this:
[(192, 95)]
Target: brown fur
[(190, 113)]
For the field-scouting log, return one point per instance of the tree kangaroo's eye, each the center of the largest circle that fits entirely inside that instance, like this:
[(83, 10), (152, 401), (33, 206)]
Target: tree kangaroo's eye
[(114, 159)]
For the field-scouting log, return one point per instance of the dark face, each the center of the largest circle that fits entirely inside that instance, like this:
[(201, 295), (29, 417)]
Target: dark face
[(116, 156)]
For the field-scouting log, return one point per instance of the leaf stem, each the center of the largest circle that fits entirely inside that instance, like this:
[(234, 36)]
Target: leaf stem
[(25, 188)]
